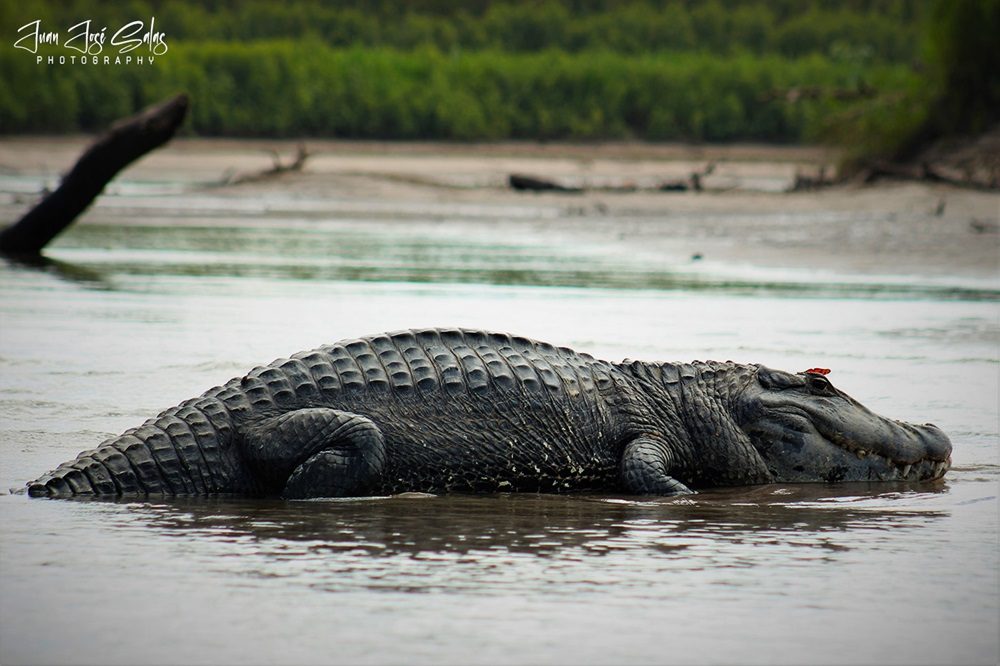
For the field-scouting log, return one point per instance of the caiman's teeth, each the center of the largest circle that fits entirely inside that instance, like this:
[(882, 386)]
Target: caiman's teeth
[(906, 471)]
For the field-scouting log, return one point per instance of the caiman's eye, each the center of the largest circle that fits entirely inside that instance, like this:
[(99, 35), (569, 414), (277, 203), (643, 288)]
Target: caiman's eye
[(818, 384)]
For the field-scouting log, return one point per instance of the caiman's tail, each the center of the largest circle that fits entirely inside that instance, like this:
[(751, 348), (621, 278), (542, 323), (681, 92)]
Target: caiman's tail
[(183, 451)]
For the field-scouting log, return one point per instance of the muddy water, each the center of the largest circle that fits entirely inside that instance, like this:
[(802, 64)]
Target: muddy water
[(128, 318)]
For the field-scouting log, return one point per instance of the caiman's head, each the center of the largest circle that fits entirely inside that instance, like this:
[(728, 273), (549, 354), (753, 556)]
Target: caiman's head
[(805, 429)]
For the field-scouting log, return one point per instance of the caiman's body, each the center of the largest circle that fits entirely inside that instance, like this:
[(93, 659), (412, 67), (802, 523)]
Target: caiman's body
[(458, 410)]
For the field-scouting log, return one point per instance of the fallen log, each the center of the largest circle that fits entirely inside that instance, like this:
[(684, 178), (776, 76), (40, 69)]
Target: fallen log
[(126, 141), (522, 182)]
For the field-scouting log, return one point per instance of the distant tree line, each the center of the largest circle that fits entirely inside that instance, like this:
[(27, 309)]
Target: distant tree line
[(883, 74), (306, 88), (883, 30)]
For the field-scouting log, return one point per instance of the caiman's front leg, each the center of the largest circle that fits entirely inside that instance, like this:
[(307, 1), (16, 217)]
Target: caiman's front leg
[(317, 452), (644, 466)]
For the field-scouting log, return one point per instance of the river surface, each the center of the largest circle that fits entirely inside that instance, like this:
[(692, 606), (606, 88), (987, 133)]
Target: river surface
[(134, 313)]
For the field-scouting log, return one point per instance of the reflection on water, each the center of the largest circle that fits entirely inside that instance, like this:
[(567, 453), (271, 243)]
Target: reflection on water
[(429, 252), (518, 544), (121, 321), (540, 525), (62, 269), (359, 542)]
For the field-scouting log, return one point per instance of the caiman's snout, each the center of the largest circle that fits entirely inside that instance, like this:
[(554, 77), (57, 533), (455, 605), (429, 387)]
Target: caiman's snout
[(932, 450), (910, 452), (908, 442), (936, 443)]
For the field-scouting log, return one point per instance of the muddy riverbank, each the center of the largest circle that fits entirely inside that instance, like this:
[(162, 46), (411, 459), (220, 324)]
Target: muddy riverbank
[(746, 217)]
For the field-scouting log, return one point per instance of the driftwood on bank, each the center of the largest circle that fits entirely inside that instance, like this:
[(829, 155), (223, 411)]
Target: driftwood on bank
[(277, 168), (693, 182), (926, 172), (805, 181), (520, 181), (920, 172), (126, 141)]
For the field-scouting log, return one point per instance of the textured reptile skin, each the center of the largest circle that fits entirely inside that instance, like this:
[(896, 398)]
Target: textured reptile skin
[(459, 410)]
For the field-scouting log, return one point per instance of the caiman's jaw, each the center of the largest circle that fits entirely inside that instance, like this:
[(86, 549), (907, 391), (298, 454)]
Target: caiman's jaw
[(805, 430)]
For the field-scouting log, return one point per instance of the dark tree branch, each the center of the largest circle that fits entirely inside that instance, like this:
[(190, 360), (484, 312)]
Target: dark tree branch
[(126, 141)]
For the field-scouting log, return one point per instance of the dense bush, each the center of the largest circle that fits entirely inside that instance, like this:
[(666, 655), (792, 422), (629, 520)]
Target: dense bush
[(475, 69), (888, 31), (957, 92), (965, 65), (284, 88)]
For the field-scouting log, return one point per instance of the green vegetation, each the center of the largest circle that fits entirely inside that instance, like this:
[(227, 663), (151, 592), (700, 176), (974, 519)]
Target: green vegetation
[(479, 70), (957, 93), (885, 30), (307, 88)]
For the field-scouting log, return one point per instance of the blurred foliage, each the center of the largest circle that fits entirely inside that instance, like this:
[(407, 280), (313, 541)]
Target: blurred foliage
[(306, 88), (956, 92), (698, 70), (888, 29), (964, 53)]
